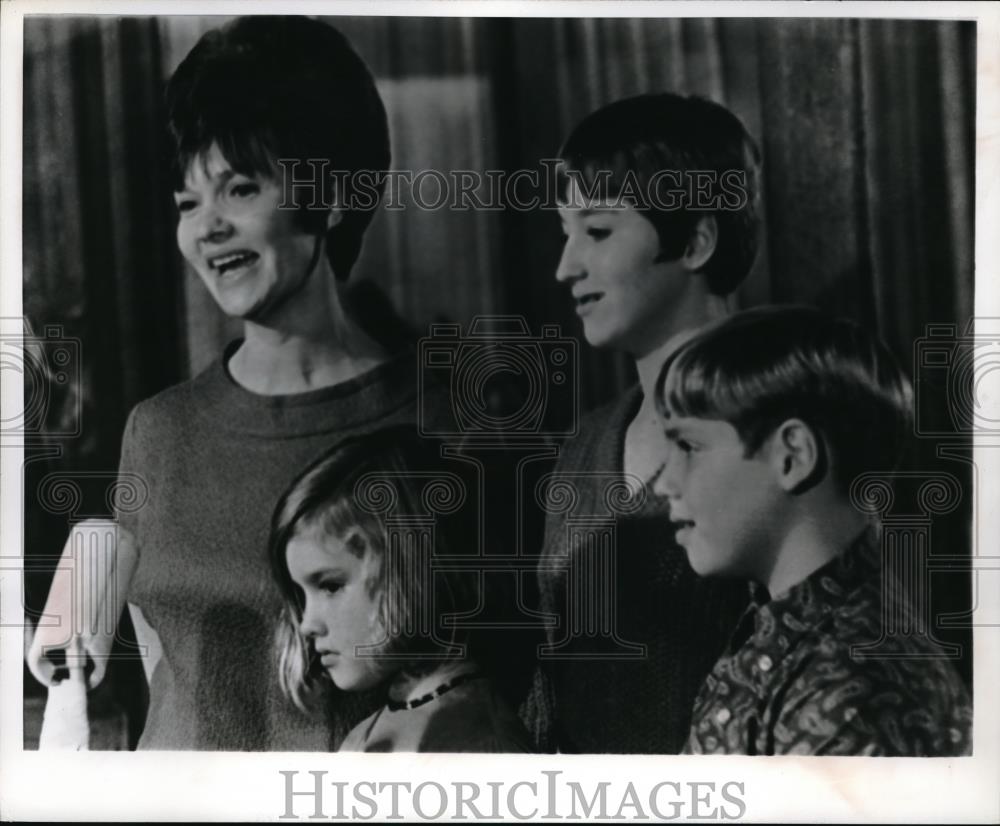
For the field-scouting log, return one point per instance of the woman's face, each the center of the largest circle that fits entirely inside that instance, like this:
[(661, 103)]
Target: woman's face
[(250, 254), (341, 613), (625, 298)]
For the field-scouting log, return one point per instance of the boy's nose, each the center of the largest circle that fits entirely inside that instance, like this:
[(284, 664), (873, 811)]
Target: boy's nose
[(667, 480)]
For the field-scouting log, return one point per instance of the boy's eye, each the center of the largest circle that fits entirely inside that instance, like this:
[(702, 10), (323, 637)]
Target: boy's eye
[(598, 233)]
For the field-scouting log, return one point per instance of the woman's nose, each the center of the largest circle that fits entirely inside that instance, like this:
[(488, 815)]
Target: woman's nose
[(214, 227)]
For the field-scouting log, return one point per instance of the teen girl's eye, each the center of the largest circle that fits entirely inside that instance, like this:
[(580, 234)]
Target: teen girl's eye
[(598, 233)]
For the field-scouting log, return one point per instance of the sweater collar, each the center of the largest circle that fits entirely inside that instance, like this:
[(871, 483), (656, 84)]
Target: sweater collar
[(379, 391)]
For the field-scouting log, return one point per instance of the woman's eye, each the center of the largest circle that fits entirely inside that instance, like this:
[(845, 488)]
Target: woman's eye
[(244, 190), (684, 445), (185, 205), (331, 587), (598, 234)]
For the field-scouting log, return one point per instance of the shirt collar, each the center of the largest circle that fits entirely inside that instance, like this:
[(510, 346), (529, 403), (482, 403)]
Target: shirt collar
[(823, 591)]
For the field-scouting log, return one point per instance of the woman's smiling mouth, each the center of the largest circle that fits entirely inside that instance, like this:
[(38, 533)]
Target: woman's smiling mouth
[(233, 262)]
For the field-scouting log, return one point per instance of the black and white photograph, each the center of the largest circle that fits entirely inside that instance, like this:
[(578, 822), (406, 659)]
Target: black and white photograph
[(499, 385)]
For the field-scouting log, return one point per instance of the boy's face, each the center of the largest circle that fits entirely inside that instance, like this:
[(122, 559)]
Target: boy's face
[(251, 255), (341, 612), (625, 298), (723, 503)]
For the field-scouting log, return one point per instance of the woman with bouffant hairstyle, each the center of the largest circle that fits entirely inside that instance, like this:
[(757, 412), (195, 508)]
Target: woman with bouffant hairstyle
[(252, 100)]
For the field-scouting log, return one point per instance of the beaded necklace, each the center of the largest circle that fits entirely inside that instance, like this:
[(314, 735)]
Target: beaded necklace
[(444, 688)]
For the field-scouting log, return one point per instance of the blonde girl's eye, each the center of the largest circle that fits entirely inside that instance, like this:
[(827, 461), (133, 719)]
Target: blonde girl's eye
[(331, 587)]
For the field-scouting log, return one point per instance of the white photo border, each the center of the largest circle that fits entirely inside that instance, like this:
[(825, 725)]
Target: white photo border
[(222, 787)]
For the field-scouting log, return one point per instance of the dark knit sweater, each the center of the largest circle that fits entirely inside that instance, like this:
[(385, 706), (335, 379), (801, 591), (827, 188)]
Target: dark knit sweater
[(593, 703), (216, 457)]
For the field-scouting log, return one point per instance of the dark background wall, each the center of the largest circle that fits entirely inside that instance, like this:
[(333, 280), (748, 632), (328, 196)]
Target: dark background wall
[(866, 127)]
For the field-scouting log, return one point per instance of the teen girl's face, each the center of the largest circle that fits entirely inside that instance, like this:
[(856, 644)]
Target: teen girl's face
[(251, 255), (339, 579), (623, 295)]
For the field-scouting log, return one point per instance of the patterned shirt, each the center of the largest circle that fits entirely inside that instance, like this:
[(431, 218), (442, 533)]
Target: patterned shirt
[(790, 683)]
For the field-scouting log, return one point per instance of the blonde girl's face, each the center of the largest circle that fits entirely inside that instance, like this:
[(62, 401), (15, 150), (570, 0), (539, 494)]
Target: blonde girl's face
[(338, 576)]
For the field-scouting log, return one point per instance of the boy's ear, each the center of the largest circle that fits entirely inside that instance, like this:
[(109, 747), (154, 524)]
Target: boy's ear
[(796, 455), (702, 243)]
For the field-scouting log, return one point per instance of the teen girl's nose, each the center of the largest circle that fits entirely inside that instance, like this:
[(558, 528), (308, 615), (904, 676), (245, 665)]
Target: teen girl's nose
[(570, 265)]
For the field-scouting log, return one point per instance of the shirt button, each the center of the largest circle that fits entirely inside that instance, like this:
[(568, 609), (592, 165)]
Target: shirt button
[(764, 663), (722, 716)]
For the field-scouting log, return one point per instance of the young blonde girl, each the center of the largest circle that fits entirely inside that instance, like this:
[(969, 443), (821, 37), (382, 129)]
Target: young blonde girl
[(376, 550)]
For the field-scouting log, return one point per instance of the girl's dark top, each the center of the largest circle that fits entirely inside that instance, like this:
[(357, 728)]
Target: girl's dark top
[(473, 717), (638, 630)]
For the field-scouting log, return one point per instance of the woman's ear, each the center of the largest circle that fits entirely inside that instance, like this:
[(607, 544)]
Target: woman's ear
[(796, 455), (702, 243)]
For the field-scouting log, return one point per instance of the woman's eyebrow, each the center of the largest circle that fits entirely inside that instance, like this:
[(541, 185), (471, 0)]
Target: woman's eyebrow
[(219, 179)]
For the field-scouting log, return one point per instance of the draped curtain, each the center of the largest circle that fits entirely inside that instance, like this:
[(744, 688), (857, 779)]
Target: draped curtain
[(866, 127)]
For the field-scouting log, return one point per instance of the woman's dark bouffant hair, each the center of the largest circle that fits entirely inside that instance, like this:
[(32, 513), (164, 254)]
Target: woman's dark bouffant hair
[(269, 88), (351, 487), (641, 139)]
